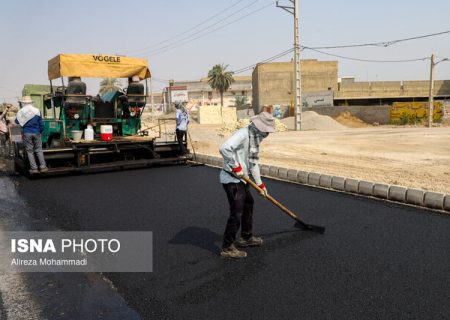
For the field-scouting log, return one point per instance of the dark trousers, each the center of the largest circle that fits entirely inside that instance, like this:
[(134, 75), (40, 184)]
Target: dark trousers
[(241, 212), (181, 137)]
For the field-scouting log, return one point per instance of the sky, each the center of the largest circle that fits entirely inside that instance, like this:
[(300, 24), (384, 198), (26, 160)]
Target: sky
[(182, 40)]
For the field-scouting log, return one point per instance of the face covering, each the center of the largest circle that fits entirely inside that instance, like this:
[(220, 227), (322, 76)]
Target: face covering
[(255, 138)]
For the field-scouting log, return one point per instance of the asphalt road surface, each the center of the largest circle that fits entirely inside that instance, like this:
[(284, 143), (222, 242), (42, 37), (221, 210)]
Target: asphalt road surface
[(377, 260)]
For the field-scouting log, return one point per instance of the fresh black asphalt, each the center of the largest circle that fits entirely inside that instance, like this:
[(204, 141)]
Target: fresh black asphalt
[(377, 260)]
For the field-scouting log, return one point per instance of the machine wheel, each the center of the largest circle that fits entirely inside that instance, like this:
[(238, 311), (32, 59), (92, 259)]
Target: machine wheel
[(20, 155), (17, 168)]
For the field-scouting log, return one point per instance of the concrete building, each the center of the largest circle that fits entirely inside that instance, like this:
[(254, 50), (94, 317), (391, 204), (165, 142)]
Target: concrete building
[(273, 85), (351, 92), (273, 82), (201, 92)]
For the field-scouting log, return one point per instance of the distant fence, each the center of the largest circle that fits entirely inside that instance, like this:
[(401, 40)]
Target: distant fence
[(378, 114), (368, 114), (446, 114)]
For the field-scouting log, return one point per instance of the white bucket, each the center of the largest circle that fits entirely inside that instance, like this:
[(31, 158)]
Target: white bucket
[(76, 135)]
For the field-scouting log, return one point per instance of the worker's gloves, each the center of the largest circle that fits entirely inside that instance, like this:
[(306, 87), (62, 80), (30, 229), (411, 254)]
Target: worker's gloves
[(263, 191), (238, 172)]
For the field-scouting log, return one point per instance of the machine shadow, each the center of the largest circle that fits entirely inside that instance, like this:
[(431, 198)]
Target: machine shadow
[(198, 237)]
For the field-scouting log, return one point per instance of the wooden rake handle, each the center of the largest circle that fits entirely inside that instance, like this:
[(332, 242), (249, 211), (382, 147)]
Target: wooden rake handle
[(273, 200)]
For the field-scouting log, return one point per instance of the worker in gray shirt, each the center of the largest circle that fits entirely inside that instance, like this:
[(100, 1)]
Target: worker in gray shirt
[(241, 156)]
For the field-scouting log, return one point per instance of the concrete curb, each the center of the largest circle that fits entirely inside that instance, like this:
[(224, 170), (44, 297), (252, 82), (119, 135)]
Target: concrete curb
[(434, 200), (314, 179), (338, 183), (351, 185), (292, 175), (381, 190), (325, 181), (415, 196), (273, 171), (302, 177), (395, 193), (366, 188)]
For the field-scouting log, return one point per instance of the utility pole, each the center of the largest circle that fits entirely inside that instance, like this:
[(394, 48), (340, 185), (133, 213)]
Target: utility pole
[(297, 73), (164, 100), (431, 93), (151, 94), (298, 86)]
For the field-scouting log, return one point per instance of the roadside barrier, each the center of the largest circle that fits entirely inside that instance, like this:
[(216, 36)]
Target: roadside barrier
[(411, 196)]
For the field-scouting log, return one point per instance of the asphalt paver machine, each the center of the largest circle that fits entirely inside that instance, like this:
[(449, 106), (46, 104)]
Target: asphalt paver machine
[(114, 119)]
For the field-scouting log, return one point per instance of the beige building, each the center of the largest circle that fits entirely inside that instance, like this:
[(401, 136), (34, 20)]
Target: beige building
[(351, 92), (273, 82), (273, 85), (201, 92)]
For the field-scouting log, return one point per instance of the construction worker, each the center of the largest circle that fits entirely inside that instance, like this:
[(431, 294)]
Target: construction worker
[(29, 118), (4, 127), (240, 156), (182, 121)]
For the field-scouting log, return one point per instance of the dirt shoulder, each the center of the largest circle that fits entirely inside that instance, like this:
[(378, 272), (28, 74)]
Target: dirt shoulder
[(413, 157)]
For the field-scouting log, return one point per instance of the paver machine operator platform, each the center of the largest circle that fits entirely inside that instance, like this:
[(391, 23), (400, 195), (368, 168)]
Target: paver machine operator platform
[(68, 111)]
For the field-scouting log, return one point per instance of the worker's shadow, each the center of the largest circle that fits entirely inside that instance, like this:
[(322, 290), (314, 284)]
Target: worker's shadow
[(199, 237)]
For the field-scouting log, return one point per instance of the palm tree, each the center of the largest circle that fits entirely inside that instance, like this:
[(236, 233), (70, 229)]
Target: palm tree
[(240, 102), (220, 80), (109, 84)]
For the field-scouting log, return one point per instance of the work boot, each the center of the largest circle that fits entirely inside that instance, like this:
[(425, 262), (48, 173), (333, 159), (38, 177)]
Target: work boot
[(43, 170), (250, 242), (233, 252), (33, 171)]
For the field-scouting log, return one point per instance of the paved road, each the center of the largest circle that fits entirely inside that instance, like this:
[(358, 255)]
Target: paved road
[(377, 260), (37, 296)]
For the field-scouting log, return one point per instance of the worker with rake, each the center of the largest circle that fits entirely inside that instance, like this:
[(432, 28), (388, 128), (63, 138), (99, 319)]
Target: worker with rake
[(241, 156)]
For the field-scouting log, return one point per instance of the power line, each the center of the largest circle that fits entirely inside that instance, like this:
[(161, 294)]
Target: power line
[(237, 71), (442, 59), (170, 39), (364, 60), (173, 46), (286, 52), (279, 55), (190, 29), (384, 43), (315, 49), (173, 40)]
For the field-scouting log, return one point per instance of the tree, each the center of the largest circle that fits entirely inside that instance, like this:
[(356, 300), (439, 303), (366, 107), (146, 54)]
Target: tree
[(219, 79), (241, 102), (109, 84)]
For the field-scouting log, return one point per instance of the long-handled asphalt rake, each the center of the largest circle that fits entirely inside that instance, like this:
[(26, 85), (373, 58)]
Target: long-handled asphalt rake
[(299, 223), (196, 163)]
